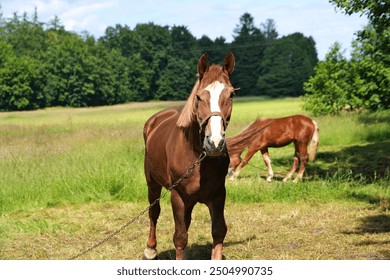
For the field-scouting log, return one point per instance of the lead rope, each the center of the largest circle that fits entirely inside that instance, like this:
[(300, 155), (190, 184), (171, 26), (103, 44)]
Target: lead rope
[(187, 173)]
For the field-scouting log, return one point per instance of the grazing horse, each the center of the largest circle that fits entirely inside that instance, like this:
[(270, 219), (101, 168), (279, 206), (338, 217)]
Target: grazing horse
[(176, 138), (279, 132)]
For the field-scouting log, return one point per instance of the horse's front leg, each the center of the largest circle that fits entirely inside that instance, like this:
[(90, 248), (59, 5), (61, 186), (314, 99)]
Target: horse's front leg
[(154, 192), (180, 237), (235, 160), (219, 228), (244, 162)]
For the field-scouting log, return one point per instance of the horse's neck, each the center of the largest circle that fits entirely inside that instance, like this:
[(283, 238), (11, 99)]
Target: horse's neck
[(192, 135)]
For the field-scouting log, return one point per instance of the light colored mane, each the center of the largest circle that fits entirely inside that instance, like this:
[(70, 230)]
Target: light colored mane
[(187, 114)]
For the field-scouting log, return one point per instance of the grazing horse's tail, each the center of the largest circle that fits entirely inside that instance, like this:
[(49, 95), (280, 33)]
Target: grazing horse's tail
[(314, 142)]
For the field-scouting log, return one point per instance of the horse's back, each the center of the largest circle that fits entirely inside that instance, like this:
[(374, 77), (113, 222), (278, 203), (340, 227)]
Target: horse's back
[(166, 117), (293, 122)]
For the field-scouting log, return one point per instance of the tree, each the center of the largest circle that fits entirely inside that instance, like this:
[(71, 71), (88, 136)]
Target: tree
[(328, 91), (216, 50), (20, 87), (371, 73), (175, 81), (248, 47), (364, 81), (183, 43), (70, 71), (269, 30), (155, 47), (121, 38), (288, 62), (26, 36)]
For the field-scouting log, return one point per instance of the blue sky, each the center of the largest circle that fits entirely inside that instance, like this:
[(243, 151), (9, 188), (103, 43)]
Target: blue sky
[(214, 18)]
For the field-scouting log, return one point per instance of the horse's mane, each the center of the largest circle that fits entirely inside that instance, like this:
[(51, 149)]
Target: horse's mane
[(187, 115), (237, 143)]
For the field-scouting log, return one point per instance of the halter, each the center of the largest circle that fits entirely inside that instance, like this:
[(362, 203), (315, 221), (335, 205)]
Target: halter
[(202, 123)]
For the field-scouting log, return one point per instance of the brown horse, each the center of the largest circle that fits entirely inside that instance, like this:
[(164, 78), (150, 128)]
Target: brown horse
[(175, 139), (267, 132)]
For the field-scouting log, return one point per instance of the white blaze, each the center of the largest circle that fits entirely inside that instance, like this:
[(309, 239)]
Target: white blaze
[(215, 90)]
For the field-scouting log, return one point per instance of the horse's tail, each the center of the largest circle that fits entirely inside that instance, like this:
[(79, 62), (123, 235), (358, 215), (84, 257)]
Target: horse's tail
[(315, 140)]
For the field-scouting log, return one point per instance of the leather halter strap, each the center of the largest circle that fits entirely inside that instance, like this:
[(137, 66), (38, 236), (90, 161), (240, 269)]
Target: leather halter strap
[(205, 120)]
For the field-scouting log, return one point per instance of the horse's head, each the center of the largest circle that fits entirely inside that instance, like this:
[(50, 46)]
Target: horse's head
[(213, 103)]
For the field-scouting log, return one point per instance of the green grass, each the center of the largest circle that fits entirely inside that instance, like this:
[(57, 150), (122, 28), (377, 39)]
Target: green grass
[(89, 161), (68, 156)]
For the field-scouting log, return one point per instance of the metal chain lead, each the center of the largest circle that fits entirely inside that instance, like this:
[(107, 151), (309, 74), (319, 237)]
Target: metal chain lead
[(187, 173)]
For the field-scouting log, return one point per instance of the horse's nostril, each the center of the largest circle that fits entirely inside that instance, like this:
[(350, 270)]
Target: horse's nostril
[(222, 142)]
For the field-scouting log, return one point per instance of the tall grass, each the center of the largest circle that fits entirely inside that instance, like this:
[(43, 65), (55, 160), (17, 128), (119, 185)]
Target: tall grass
[(70, 156)]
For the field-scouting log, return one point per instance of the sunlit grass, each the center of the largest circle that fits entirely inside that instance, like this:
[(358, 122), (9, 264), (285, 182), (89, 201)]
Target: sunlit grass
[(60, 156)]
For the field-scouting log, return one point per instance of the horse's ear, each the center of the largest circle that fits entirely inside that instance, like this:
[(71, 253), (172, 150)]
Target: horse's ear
[(229, 62), (203, 65)]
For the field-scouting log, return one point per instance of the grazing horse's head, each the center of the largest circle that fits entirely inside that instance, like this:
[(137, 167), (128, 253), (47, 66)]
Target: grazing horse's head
[(210, 104)]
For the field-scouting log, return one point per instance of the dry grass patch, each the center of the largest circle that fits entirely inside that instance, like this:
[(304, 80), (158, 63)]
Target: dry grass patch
[(256, 231)]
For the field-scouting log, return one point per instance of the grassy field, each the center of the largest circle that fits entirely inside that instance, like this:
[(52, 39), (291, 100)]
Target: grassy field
[(71, 177)]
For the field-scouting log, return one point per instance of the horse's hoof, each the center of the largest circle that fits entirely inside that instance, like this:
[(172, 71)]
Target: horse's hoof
[(231, 179), (150, 254)]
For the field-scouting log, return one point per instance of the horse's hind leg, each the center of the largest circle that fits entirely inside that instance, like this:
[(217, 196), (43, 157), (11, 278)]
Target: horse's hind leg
[(154, 192), (303, 158), (267, 161), (295, 164)]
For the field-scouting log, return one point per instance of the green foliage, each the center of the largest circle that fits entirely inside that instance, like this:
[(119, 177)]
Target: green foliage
[(20, 86), (248, 48), (43, 65), (175, 76), (287, 64), (328, 91), (372, 71), (378, 13), (363, 82)]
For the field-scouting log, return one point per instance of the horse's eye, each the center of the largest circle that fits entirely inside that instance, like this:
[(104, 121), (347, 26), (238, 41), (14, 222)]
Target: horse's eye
[(232, 94), (198, 98)]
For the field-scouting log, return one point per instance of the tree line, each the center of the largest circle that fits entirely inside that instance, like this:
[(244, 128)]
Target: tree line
[(44, 65)]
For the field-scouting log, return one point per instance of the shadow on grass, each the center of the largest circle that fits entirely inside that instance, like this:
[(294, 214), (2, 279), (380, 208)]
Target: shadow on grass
[(364, 162), (198, 251), (374, 225)]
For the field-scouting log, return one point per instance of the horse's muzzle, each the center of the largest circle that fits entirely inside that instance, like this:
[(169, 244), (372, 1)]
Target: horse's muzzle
[(214, 149)]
